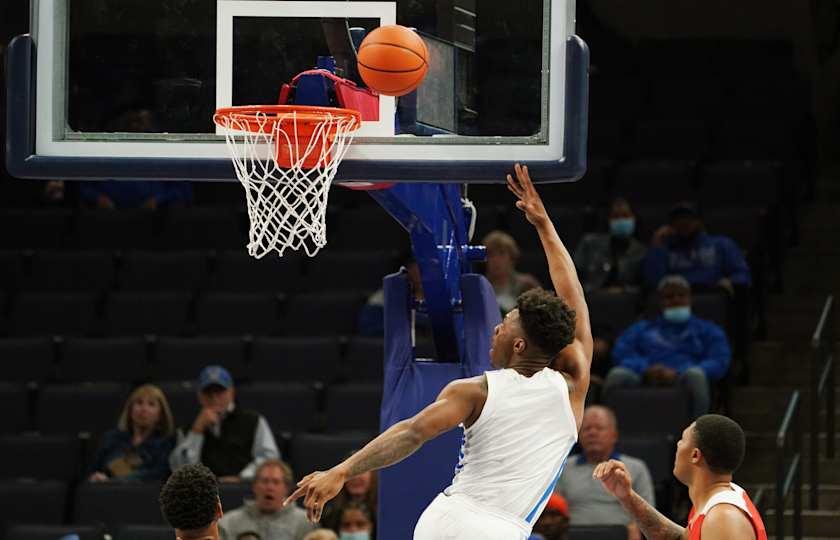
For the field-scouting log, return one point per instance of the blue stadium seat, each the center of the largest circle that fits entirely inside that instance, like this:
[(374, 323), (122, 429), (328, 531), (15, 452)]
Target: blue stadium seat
[(103, 360), (286, 406), (115, 503), (70, 271), (39, 457), (33, 502), (295, 359), (350, 407), (43, 314), (27, 359), (71, 409), (135, 313), (182, 359)]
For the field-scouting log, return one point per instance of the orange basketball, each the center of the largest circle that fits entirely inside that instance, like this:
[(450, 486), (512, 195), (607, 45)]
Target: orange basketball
[(393, 60)]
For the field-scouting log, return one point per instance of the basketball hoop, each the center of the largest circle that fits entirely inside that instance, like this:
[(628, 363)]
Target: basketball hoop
[(286, 157)]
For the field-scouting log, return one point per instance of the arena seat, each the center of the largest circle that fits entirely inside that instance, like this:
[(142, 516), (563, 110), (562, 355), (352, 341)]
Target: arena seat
[(33, 502), (353, 407), (612, 313), (103, 359), (136, 313), (42, 314), (363, 360), (286, 406), (632, 407), (71, 271), (203, 228), (295, 359), (33, 229), (182, 359), (322, 314), (309, 452), (14, 404), (123, 230), (655, 181), (27, 359), (229, 314), (184, 271), (236, 271), (39, 457), (145, 532), (342, 271), (53, 532), (11, 270), (598, 532), (112, 504), (88, 407)]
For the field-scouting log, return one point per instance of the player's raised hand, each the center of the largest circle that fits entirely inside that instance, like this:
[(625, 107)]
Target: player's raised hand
[(615, 478), (529, 200), (317, 489)]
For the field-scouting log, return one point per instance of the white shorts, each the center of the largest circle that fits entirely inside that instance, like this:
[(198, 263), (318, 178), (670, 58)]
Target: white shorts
[(454, 517)]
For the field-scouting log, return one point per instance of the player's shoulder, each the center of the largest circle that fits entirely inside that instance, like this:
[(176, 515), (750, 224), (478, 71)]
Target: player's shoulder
[(727, 521), (469, 386)]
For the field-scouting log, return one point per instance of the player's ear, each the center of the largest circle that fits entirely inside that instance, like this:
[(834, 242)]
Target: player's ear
[(219, 511), (696, 456), (519, 345)]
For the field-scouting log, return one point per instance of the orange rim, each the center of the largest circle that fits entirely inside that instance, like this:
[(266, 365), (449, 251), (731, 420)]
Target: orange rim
[(262, 118)]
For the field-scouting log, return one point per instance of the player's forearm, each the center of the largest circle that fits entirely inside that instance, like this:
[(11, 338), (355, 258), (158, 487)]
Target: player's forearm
[(561, 268), (653, 525), (394, 445)]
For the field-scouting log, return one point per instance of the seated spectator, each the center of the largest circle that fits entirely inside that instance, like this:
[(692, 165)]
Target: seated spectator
[(502, 255), (683, 247), (372, 316), (553, 523), (321, 534), (589, 505), (139, 448), (229, 440), (265, 516), (674, 348), (356, 522), (612, 261)]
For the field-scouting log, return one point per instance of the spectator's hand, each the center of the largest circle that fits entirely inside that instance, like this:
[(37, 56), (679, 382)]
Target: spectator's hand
[(633, 532), (104, 202), (206, 418), (319, 488), (661, 235), (667, 375), (529, 200), (150, 204), (229, 479), (615, 478), (726, 285), (98, 477), (653, 374)]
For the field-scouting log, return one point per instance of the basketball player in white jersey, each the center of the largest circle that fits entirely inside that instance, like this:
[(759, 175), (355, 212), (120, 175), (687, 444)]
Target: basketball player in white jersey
[(520, 421)]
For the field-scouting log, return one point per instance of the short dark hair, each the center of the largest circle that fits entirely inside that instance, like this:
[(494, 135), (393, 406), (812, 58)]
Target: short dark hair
[(548, 321), (190, 497), (721, 441)]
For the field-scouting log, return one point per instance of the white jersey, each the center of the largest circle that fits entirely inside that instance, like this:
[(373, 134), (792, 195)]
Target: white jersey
[(513, 454)]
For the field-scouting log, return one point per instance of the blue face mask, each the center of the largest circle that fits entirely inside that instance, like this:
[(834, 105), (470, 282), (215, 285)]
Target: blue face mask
[(622, 227), (362, 535), (679, 314)]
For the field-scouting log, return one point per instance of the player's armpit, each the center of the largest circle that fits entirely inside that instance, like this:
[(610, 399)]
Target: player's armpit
[(725, 521), (458, 403)]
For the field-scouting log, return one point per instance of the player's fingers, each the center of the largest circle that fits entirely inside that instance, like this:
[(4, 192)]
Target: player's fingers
[(306, 479), (294, 496), (514, 186)]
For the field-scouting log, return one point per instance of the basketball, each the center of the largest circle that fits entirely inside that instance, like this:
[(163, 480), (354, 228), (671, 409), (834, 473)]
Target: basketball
[(393, 60)]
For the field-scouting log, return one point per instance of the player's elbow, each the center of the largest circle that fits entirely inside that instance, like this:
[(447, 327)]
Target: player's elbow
[(416, 433)]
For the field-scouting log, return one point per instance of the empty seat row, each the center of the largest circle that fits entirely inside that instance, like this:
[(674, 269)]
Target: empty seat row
[(322, 359), (95, 407), (132, 314), (234, 271)]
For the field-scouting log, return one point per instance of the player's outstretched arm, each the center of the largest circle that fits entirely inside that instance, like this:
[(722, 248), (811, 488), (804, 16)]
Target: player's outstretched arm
[(457, 403), (577, 357), (615, 478)]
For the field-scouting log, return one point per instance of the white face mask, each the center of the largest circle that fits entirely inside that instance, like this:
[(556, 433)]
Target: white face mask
[(362, 535)]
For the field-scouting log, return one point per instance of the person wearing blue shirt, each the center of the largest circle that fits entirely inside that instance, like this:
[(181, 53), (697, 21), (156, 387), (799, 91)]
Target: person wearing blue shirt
[(683, 247), (674, 348)]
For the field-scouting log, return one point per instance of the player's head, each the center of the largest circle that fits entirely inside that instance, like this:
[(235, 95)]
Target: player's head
[(713, 446), (190, 503), (537, 330)]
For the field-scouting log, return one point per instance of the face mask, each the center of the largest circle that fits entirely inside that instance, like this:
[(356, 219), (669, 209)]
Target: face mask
[(622, 227), (362, 535), (679, 314)]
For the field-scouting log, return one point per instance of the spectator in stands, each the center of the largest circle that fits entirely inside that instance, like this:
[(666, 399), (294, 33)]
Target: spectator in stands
[(356, 522), (612, 261), (589, 505), (266, 516), (502, 255), (372, 316), (360, 489), (146, 194), (189, 501), (553, 523), (674, 348), (683, 247), (139, 448), (231, 441), (321, 534)]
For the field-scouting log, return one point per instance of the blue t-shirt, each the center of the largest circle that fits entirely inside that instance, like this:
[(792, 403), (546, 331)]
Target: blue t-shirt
[(705, 261)]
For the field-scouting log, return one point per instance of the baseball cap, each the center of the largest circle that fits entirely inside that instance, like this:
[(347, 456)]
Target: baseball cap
[(684, 209), (214, 375)]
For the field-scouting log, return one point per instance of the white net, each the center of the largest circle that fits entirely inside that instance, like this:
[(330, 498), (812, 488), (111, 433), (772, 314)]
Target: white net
[(286, 160)]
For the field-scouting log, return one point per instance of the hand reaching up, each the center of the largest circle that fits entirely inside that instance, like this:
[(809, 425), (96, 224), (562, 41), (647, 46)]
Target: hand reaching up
[(529, 200)]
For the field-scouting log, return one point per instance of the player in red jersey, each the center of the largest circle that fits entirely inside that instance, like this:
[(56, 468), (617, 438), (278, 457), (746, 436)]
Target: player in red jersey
[(710, 450)]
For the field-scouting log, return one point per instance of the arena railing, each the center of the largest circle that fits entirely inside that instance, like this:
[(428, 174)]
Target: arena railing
[(789, 475), (821, 392)]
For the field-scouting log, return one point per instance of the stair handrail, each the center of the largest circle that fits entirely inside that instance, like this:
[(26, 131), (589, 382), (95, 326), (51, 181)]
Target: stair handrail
[(821, 391), (789, 476)]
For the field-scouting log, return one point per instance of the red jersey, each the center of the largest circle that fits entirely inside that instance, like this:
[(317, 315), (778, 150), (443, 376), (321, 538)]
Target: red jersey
[(736, 497)]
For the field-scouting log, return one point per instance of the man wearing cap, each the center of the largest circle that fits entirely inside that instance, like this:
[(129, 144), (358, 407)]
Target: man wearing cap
[(674, 348), (683, 247), (229, 440)]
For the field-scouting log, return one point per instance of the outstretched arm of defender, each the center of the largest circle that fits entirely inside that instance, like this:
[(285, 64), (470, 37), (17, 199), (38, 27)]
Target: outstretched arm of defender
[(616, 479), (564, 277), (456, 404)]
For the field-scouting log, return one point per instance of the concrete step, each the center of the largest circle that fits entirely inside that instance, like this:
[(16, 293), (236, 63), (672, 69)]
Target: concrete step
[(822, 523), (829, 495)]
